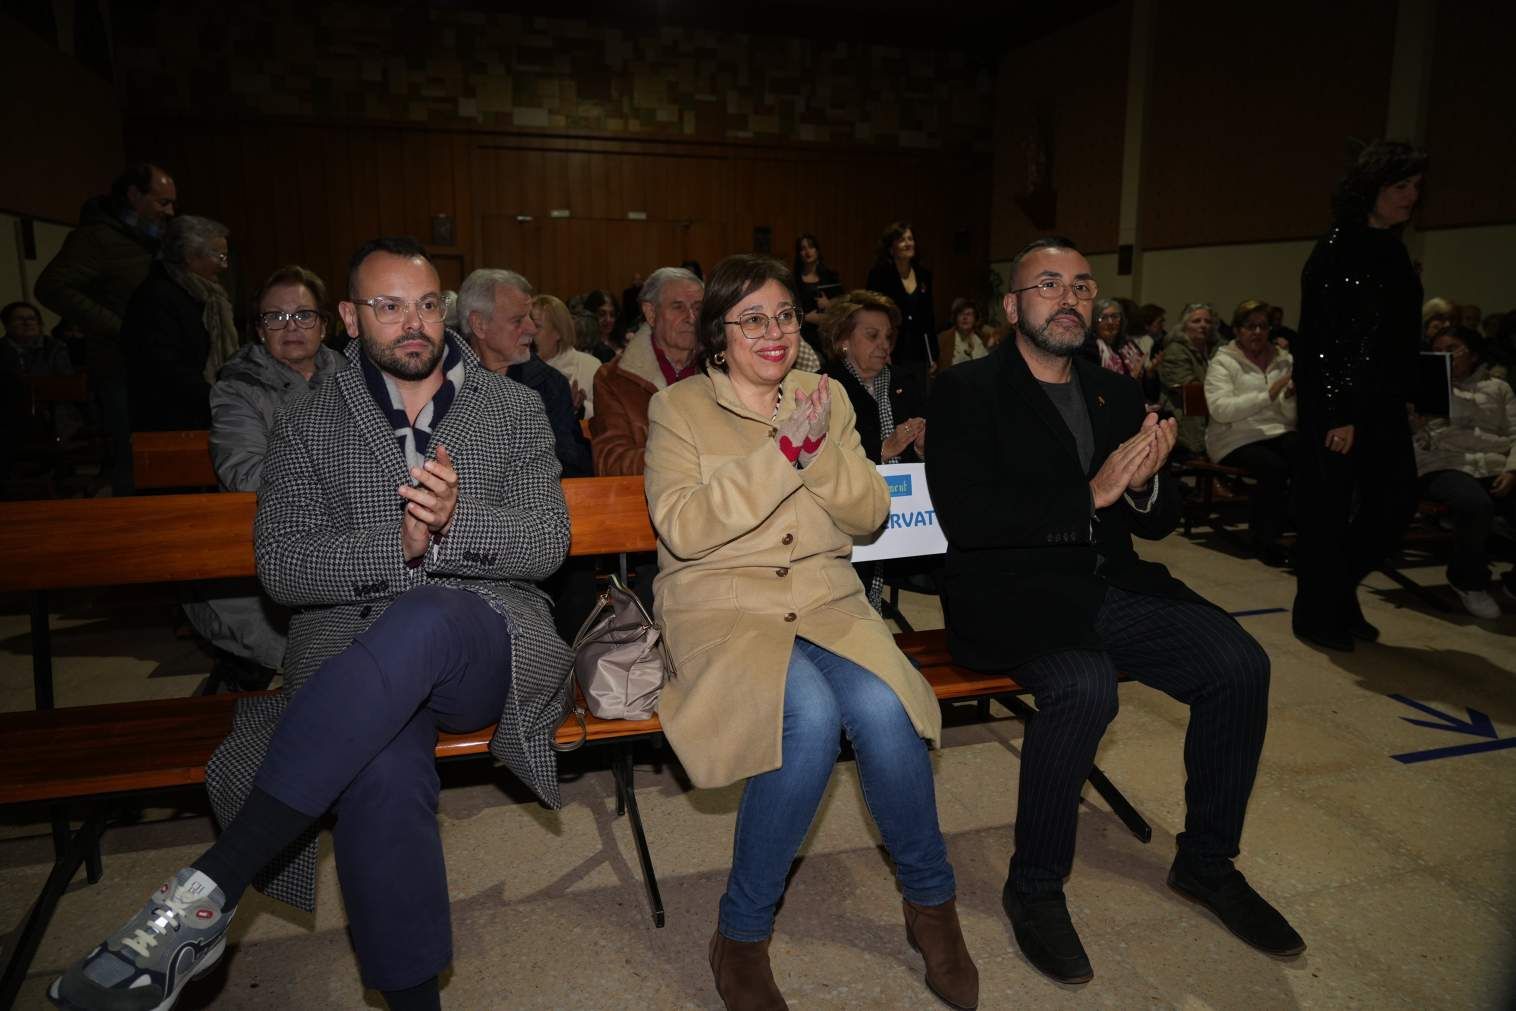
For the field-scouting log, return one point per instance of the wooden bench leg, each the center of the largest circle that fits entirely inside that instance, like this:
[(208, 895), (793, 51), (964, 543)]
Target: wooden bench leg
[(42, 652), (626, 803), (1120, 806), (80, 846)]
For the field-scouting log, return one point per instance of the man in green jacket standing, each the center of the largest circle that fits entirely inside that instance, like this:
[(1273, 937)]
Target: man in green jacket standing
[(92, 278)]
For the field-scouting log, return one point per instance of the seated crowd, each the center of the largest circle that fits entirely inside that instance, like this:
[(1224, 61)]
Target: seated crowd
[(755, 404)]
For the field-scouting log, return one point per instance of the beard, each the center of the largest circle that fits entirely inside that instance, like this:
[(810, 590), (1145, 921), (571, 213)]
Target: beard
[(1040, 338), (408, 366)]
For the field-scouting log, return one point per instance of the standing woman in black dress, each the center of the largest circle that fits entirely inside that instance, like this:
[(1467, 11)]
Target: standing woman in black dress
[(817, 285), (899, 276), (1355, 376)]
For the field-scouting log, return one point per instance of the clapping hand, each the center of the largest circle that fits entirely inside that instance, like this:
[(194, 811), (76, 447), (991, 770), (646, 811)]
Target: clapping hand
[(800, 435), (429, 504), (1131, 465), (907, 433)]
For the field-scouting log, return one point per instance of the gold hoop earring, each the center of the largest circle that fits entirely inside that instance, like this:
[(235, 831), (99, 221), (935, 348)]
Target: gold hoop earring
[(719, 357)]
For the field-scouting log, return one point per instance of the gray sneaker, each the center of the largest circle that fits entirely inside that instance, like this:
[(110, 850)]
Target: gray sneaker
[(177, 936)]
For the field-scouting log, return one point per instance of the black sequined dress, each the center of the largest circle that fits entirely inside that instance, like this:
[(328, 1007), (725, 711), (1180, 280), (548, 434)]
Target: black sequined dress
[(1355, 364)]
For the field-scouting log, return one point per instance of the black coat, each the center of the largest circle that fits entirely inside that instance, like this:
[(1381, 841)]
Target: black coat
[(917, 340), (1028, 558), (569, 444), (905, 402), (166, 345)]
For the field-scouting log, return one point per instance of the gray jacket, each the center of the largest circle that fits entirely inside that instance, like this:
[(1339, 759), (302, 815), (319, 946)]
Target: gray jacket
[(250, 389), (327, 538)]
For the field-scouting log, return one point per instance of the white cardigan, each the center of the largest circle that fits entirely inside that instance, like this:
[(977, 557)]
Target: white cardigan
[(1480, 437), (1237, 395)]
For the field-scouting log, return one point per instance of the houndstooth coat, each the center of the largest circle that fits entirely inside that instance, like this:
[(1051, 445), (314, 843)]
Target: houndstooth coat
[(327, 536)]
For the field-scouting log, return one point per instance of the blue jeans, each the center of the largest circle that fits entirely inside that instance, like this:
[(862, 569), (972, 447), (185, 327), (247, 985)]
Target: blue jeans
[(824, 695)]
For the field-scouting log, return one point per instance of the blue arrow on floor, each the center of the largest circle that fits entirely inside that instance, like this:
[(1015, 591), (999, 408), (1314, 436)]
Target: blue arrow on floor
[(1477, 725)]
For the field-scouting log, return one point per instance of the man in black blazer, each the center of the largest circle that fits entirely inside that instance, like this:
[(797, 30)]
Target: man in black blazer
[(1042, 467)]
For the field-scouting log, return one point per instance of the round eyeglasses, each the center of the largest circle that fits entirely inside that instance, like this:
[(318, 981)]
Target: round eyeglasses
[(756, 324), (1084, 290), (388, 309)]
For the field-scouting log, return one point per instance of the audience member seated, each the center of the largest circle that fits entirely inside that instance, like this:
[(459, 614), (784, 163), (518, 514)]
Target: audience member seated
[(25, 350), (898, 275), (1042, 467), (1437, 315), (1251, 397), (756, 483), (423, 588), (1155, 326), (818, 285), (609, 339), (92, 279), (964, 340), (1119, 353), (179, 329), (1281, 335), (555, 344), (889, 413), (495, 309), (1186, 355), (72, 337), (1467, 461), (1470, 316), (288, 360), (651, 362), (1489, 327)]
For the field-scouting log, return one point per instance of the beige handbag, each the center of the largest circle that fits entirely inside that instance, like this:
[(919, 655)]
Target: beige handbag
[(620, 661)]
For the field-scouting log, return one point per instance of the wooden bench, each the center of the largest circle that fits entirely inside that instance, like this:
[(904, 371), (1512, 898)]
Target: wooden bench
[(98, 756), (1233, 482), (172, 460)]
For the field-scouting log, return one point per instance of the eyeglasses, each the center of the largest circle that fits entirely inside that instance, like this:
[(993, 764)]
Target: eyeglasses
[(1084, 290), (1254, 326), (756, 324), (389, 309), (303, 318), (1110, 317), (218, 257)]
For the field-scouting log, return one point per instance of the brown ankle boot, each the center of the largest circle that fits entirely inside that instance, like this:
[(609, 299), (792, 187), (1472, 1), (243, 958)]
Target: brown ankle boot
[(743, 977), (950, 970)]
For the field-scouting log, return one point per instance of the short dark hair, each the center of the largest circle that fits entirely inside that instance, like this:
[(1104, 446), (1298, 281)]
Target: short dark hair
[(10, 310), (138, 176), (1046, 242), (732, 280), (395, 245), (1469, 338), (820, 259), (892, 233), (1377, 165), (294, 274)]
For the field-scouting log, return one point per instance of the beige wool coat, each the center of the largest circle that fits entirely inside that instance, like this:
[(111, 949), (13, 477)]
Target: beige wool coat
[(751, 554)]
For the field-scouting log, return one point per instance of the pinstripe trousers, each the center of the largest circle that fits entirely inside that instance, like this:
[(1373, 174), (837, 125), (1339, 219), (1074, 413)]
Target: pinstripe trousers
[(1198, 655)]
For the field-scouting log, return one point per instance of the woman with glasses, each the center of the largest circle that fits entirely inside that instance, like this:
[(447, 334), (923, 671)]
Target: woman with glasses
[(1186, 356), (178, 328), (1467, 461), (1118, 352), (1251, 399), (288, 359), (757, 484)]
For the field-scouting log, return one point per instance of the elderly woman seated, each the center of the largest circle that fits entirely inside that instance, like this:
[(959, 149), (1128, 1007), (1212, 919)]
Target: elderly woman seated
[(757, 483), (288, 360), (1186, 356), (1467, 461), (1251, 399)]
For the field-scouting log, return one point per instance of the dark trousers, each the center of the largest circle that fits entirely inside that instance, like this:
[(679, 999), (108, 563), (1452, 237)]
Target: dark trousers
[(359, 737), (1352, 512), (1474, 510), (1191, 652), (1270, 463)]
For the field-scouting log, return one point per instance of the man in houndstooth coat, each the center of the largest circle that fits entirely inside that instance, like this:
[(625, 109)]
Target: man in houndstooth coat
[(408, 507)]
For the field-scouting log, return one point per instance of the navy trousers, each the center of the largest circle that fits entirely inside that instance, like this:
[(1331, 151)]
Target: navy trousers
[(360, 737), (1194, 653)]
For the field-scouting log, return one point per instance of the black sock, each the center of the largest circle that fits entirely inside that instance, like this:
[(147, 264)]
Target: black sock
[(421, 997), (263, 828)]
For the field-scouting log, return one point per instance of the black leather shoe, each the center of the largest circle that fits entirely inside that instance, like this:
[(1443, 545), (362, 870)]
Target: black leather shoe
[(1325, 638), (1046, 934), (1362, 630), (1241, 910)]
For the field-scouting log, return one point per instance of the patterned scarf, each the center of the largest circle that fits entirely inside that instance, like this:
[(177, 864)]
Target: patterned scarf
[(879, 389), (217, 316), (415, 438)]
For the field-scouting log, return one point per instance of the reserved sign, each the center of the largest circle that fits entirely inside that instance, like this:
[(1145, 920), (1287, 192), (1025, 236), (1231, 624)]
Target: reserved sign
[(912, 527)]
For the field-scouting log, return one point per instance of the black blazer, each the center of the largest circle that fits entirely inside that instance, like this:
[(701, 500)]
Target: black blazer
[(905, 402), (1028, 558), (917, 339)]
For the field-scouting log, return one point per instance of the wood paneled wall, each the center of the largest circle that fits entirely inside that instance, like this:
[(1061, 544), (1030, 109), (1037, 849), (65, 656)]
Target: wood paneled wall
[(312, 193)]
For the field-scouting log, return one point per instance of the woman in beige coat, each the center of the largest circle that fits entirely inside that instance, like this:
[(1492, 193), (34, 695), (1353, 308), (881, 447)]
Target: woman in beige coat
[(757, 485)]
